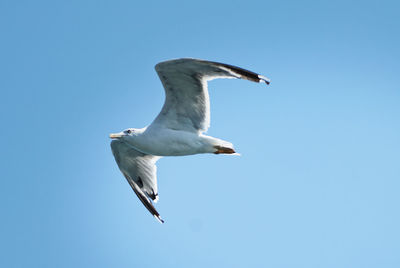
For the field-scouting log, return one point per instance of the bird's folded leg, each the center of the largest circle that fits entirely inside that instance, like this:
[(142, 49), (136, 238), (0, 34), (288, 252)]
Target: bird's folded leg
[(224, 150)]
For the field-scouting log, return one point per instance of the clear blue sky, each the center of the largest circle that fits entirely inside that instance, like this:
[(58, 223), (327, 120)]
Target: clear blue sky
[(317, 184)]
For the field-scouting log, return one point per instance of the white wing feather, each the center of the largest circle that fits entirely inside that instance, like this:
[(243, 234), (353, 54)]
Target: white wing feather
[(187, 104), (140, 171)]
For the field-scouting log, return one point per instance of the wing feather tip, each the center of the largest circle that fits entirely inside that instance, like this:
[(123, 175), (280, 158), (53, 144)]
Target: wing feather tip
[(264, 79), (158, 217)]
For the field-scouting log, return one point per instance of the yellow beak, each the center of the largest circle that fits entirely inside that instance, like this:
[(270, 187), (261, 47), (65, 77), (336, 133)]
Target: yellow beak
[(116, 135)]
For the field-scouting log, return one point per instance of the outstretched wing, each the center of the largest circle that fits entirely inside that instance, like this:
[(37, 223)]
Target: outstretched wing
[(187, 105), (140, 170)]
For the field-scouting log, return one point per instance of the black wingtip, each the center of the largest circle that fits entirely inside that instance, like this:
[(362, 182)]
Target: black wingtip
[(142, 197), (243, 73)]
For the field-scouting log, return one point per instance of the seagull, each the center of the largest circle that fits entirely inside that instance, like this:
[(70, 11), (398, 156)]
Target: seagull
[(180, 126)]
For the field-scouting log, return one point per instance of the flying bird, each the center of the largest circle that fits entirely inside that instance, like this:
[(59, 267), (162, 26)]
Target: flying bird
[(179, 127)]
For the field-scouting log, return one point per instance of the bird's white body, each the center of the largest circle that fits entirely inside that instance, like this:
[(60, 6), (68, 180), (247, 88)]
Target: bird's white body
[(179, 128), (161, 141)]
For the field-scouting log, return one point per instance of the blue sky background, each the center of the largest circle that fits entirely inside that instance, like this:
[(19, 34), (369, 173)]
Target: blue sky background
[(317, 184)]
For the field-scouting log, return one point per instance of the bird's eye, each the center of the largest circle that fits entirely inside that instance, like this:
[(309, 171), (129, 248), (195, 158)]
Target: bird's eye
[(128, 131)]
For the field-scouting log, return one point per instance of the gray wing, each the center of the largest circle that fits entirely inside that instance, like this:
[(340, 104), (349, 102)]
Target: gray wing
[(140, 171), (187, 105)]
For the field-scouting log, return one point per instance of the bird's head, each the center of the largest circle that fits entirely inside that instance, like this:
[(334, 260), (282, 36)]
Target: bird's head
[(129, 132)]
